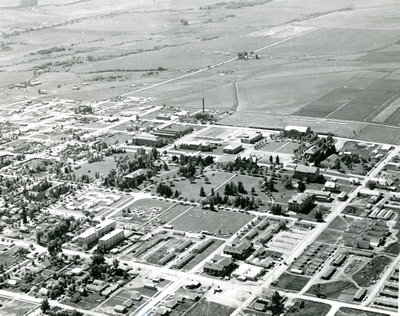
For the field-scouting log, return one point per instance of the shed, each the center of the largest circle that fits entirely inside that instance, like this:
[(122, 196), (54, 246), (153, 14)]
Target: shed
[(135, 295), (120, 309)]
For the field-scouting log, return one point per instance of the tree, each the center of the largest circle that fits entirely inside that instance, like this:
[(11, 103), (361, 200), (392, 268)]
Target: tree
[(318, 216), (277, 305), (301, 186), (371, 185), (98, 259), (276, 209), (212, 208), (270, 185), (115, 263), (45, 306), (271, 159), (277, 159), (184, 22), (202, 193)]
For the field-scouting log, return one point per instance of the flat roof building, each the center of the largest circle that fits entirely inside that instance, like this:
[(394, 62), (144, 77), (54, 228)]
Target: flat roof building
[(251, 137), (300, 202), (110, 239), (295, 131), (94, 233), (233, 148), (173, 131), (147, 140)]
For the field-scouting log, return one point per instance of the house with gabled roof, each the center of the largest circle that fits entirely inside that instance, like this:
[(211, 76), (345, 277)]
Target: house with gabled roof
[(218, 266), (239, 250)]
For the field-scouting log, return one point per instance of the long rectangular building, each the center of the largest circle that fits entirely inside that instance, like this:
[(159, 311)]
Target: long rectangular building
[(94, 233), (110, 239)]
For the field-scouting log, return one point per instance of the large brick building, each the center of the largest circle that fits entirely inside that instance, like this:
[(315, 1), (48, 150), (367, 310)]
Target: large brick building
[(239, 249), (218, 266), (306, 173), (300, 202)]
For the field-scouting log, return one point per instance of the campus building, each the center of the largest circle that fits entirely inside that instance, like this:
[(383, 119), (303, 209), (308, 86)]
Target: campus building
[(300, 202), (239, 249), (233, 148), (296, 131), (251, 137), (196, 145), (147, 140), (306, 173), (138, 175), (218, 266), (365, 233), (173, 131), (94, 233), (112, 238)]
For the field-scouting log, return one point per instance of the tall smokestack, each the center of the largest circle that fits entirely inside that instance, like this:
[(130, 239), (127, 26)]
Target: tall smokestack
[(203, 106)]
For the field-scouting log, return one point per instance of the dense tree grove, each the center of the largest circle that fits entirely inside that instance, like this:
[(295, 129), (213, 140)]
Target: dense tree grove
[(164, 190), (55, 236), (241, 165), (126, 165), (233, 189)]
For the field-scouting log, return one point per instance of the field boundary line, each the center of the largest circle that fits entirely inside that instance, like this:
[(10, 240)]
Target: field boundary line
[(181, 214), (358, 94)]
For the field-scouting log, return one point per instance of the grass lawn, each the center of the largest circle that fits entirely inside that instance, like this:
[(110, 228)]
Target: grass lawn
[(340, 290), (199, 219), (210, 308), (371, 270), (142, 210), (103, 167), (393, 248), (345, 311), (11, 307), (292, 282), (117, 139), (275, 146), (192, 190), (174, 212), (9, 257), (354, 210), (250, 182), (339, 224), (329, 236), (309, 308)]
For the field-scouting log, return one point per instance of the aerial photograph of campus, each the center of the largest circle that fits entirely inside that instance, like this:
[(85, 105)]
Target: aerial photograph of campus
[(199, 157)]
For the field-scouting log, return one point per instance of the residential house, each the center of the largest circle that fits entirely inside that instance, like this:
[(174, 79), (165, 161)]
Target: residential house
[(311, 153), (330, 162), (97, 286)]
